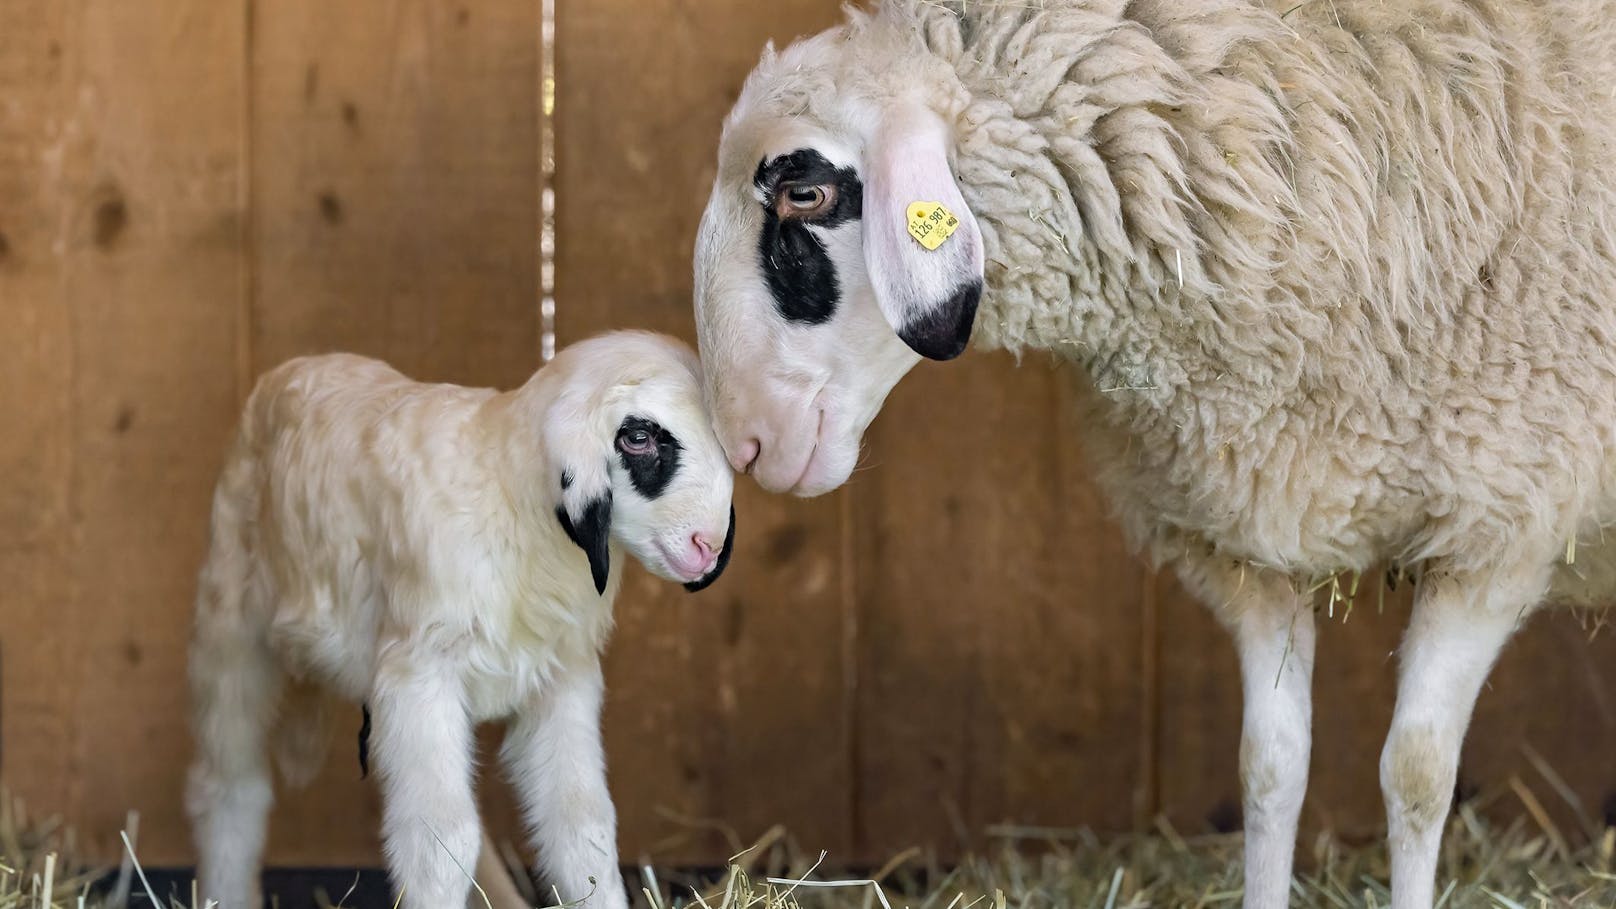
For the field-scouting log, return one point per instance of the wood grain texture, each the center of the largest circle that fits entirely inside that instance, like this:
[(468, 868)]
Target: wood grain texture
[(395, 191), (1553, 692), (36, 401), (395, 214), (133, 248), (733, 704), (1000, 660)]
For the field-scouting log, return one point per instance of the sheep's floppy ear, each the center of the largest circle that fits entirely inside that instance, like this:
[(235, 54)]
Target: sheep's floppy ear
[(922, 246), (585, 491)]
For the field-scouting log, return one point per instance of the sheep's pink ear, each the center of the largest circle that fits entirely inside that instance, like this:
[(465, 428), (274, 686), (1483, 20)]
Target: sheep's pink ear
[(922, 246)]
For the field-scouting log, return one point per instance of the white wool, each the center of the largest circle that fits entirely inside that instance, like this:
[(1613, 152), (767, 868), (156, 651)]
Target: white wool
[(400, 544)]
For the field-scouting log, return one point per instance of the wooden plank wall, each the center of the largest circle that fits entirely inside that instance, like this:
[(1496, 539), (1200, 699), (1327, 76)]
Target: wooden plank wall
[(194, 191)]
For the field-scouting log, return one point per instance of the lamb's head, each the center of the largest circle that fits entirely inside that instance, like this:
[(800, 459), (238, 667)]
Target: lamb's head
[(834, 253), (635, 459)]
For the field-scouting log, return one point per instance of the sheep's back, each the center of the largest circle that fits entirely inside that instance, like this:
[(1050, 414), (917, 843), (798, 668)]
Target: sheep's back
[(1341, 273)]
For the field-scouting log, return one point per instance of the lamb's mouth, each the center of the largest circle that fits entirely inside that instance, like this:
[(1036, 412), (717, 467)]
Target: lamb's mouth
[(706, 580)]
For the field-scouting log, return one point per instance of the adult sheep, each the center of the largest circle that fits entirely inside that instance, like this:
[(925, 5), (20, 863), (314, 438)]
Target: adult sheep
[(1339, 277)]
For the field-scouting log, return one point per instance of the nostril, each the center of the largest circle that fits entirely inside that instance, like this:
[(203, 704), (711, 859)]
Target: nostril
[(703, 548), (746, 455)]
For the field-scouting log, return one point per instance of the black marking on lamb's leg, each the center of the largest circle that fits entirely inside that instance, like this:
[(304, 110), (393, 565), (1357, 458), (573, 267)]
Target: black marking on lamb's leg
[(591, 532), (566, 479), (364, 741), (723, 558), (942, 332)]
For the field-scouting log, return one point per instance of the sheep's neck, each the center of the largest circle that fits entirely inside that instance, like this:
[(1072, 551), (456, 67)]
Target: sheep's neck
[(1090, 255)]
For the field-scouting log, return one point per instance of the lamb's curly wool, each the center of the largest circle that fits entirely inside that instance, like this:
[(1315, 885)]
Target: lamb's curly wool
[(1342, 273)]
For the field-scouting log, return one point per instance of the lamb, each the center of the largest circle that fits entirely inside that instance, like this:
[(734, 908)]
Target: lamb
[(1338, 277), (411, 547)]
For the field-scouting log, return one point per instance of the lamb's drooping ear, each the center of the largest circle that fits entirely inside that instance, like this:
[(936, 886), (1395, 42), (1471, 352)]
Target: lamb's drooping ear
[(577, 447), (922, 245), (588, 522)]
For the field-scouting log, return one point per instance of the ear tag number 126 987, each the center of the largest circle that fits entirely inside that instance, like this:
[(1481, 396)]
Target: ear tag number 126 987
[(930, 223)]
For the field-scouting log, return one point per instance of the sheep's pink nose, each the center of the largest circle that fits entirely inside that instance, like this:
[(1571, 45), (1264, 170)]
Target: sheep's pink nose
[(745, 455)]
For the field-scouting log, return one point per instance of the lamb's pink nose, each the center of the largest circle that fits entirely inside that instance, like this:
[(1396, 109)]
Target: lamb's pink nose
[(745, 455), (706, 552)]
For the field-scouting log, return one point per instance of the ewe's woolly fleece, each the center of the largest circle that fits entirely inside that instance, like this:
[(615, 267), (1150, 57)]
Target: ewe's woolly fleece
[(1341, 274)]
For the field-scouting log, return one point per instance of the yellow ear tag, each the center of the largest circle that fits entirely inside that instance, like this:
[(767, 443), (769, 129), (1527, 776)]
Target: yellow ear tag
[(931, 223)]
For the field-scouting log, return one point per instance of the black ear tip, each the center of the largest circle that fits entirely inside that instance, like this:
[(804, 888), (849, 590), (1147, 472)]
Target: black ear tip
[(590, 532), (944, 331), (723, 559)]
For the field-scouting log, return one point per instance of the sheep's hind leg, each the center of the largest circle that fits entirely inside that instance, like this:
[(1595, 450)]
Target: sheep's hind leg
[(1273, 630), (1459, 625), (235, 684)]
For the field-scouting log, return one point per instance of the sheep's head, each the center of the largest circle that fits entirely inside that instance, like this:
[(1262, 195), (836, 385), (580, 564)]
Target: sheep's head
[(834, 253), (636, 461)]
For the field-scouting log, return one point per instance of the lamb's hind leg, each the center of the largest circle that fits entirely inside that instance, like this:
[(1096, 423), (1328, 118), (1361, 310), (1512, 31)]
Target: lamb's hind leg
[(234, 687), (1273, 632), (1459, 625)]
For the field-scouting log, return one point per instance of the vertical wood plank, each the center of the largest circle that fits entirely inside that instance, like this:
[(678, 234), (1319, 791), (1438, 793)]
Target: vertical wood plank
[(395, 185), (135, 250), (730, 705), (1553, 691), (1001, 672), (395, 214), (36, 453)]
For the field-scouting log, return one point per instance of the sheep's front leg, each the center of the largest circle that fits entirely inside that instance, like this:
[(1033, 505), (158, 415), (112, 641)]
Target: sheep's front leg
[(422, 743), (1456, 632), (554, 757), (1273, 632)]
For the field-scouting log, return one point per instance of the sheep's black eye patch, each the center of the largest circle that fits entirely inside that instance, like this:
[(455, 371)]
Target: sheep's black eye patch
[(650, 466), (801, 276)]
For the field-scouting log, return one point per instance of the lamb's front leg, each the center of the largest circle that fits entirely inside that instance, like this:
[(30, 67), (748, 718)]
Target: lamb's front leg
[(1273, 632), (423, 752), (554, 757)]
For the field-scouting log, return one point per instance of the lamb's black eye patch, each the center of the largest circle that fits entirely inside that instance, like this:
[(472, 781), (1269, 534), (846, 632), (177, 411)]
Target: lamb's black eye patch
[(650, 471), (799, 271)]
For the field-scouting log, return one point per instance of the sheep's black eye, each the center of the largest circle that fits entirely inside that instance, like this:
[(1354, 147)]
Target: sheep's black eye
[(803, 197), (636, 442), (805, 201)]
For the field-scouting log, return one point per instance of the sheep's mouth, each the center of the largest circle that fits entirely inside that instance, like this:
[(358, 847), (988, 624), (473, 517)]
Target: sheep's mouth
[(813, 452)]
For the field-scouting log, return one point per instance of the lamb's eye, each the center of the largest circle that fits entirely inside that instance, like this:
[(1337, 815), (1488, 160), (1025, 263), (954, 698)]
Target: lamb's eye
[(636, 442), (805, 201)]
